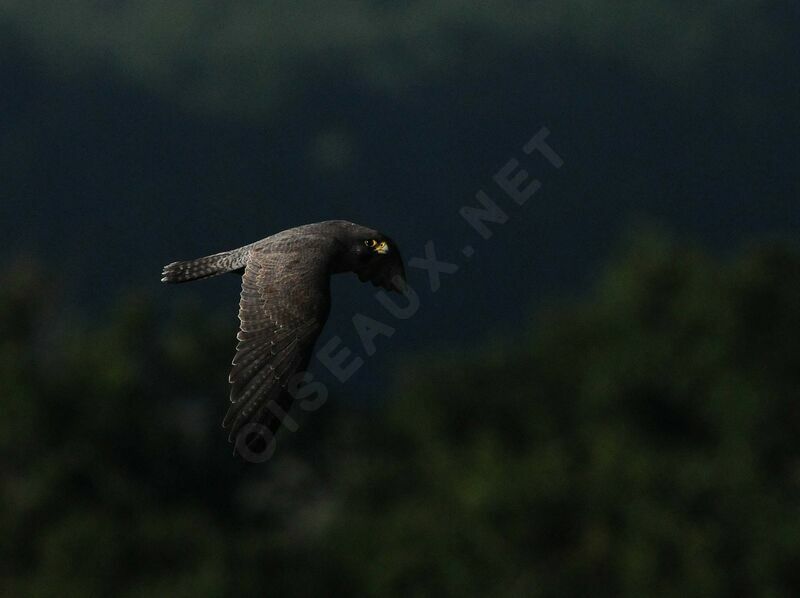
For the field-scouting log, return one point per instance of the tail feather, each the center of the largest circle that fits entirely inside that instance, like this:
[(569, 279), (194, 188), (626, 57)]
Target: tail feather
[(204, 267)]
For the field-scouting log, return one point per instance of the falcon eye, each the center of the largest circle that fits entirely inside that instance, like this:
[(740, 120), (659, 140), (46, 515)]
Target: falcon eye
[(381, 247)]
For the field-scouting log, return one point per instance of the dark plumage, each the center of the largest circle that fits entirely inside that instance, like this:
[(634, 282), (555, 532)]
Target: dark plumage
[(284, 305)]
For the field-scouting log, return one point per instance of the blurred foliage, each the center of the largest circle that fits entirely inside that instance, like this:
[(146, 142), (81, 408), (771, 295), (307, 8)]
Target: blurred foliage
[(641, 442), (245, 58)]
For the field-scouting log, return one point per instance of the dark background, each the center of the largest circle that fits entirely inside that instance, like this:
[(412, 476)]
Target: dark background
[(603, 398)]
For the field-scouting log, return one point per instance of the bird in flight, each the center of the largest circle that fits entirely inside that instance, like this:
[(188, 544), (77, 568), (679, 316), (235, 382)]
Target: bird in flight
[(284, 304)]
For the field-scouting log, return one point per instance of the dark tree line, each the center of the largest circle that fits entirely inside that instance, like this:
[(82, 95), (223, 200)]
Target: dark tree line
[(640, 441)]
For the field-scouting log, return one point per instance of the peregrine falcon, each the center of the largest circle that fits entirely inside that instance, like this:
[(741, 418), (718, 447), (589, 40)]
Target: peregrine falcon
[(284, 304)]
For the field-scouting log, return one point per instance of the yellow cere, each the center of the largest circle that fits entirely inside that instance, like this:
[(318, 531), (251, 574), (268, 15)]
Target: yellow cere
[(382, 247)]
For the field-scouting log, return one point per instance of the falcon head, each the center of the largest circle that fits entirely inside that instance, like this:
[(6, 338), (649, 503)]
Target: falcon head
[(373, 257)]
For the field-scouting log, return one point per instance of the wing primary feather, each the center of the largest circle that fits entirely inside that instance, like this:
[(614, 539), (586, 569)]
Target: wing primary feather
[(284, 303)]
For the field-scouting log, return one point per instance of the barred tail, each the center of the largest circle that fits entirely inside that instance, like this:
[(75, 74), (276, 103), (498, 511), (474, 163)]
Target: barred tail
[(205, 267)]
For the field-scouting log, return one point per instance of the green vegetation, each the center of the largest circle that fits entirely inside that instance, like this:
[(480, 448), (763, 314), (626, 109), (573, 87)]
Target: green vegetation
[(642, 442), (244, 59)]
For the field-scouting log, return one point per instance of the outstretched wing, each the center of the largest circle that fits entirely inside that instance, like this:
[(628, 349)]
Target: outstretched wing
[(284, 304)]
